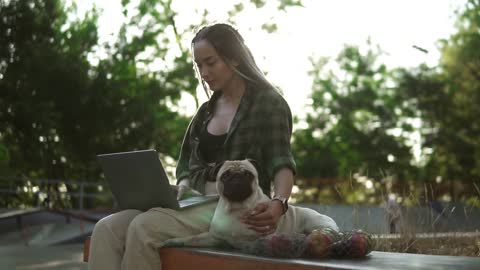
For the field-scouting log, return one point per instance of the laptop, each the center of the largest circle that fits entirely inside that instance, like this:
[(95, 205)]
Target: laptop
[(138, 181)]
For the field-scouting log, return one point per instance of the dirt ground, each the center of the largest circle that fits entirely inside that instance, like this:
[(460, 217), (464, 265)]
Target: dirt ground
[(453, 244)]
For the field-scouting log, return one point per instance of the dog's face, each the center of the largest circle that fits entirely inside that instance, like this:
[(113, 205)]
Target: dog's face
[(237, 180)]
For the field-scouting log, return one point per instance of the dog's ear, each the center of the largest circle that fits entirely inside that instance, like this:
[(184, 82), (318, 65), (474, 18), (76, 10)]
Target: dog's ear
[(211, 172), (255, 164), (217, 167)]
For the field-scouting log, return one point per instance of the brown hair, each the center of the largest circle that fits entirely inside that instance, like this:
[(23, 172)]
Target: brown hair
[(230, 45)]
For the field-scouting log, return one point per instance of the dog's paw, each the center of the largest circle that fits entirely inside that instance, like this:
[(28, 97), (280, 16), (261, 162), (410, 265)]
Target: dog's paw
[(173, 243)]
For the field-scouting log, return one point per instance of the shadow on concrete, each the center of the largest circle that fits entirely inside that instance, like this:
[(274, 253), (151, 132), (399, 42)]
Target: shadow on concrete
[(45, 239)]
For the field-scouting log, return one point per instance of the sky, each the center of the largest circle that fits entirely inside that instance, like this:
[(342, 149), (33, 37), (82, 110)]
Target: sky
[(320, 28)]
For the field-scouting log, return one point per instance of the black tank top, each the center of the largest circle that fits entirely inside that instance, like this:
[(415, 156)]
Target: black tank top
[(211, 146)]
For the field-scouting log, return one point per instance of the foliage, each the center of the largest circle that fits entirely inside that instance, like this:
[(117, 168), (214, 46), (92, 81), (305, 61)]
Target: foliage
[(363, 115), (58, 110), (461, 64), (352, 123), (65, 96), (447, 99)]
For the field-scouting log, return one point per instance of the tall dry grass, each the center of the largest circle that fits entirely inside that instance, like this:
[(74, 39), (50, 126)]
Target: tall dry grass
[(361, 190)]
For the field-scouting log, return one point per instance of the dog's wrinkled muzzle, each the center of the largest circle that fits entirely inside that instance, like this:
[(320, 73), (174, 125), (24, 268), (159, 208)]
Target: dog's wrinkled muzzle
[(237, 185)]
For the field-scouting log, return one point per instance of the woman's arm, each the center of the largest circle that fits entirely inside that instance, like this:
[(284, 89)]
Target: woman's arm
[(183, 171), (182, 187), (264, 217), (283, 183), (279, 164)]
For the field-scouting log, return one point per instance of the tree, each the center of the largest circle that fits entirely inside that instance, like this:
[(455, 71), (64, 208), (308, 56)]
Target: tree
[(447, 99), (358, 126), (354, 119), (58, 110), (61, 103)]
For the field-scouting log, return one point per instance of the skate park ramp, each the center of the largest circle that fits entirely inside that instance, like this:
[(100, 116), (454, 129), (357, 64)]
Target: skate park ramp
[(44, 239)]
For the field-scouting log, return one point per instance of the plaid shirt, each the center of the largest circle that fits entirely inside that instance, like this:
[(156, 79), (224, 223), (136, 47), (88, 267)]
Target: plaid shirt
[(261, 130)]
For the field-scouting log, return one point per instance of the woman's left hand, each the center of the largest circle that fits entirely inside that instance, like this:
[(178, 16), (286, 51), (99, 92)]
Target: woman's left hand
[(264, 217)]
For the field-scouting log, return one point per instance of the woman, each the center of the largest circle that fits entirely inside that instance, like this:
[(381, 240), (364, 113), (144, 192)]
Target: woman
[(245, 118)]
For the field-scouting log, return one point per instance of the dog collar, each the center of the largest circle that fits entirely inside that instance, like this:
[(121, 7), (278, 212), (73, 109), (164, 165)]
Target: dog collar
[(284, 202)]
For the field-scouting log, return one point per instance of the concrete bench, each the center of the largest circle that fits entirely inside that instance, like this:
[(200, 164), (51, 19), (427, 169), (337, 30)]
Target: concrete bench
[(191, 258)]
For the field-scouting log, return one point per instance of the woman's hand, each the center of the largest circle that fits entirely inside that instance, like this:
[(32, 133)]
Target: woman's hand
[(183, 190), (264, 217)]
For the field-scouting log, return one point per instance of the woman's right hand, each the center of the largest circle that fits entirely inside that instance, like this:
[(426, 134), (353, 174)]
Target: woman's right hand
[(183, 190), (180, 190)]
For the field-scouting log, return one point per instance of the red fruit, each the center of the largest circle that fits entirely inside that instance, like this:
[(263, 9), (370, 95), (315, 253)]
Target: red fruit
[(360, 245), (319, 244)]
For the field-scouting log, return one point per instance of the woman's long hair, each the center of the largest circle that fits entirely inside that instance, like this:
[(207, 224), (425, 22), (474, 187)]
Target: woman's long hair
[(230, 45)]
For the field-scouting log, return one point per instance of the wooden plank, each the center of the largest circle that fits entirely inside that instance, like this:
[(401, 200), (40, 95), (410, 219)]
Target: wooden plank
[(174, 259), (86, 249), (191, 258)]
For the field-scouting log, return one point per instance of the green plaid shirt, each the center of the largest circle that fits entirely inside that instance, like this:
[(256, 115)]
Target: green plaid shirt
[(261, 130)]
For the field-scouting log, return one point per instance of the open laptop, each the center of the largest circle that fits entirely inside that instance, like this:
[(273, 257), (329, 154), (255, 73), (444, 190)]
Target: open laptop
[(138, 181)]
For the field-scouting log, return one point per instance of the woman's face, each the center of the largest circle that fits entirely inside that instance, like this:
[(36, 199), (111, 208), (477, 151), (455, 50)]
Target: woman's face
[(213, 70)]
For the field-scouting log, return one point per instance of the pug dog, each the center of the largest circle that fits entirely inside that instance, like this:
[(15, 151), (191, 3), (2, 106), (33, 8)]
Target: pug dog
[(239, 191)]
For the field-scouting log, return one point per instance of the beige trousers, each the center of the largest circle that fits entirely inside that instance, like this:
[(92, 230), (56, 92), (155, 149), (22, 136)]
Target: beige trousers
[(130, 239)]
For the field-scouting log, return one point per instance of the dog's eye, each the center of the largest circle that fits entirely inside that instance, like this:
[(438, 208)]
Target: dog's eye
[(248, 175), (226, 175)]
